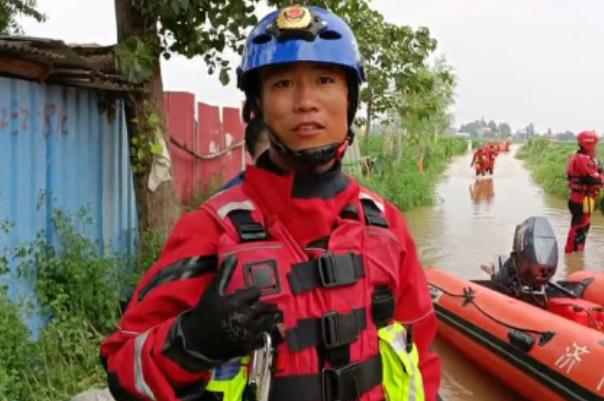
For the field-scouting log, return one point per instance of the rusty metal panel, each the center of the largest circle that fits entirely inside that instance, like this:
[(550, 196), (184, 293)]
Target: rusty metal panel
[(60, 149)]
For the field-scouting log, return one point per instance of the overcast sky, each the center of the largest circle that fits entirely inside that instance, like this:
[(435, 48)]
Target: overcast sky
[(516, 60)]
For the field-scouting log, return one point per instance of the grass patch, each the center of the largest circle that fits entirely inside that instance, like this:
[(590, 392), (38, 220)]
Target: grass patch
[(406, 172), (547, 163), (81, 292)]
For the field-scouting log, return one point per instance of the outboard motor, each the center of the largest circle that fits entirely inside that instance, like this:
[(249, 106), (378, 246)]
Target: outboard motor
[(533, 260)]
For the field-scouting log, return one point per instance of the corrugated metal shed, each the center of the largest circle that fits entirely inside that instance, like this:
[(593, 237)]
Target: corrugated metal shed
[(60, 150), (52, 61)]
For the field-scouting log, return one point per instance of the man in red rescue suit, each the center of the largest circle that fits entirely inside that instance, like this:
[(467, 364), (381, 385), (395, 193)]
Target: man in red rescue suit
[(491, 151), (299, 250), (480, 160), (584, 177)]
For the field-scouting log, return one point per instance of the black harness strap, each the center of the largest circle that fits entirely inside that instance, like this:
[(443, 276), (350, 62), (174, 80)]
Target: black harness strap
[(373, 215), (350, 212), (181, 270), (327, 271), (248, 229), (330, 331), (345, 384)]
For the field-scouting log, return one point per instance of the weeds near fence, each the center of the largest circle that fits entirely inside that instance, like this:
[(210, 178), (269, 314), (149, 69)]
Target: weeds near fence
[(80, 292)]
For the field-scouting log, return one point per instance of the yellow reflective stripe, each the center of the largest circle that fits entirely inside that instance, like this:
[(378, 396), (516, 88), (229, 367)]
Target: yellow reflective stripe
[(589, 204)]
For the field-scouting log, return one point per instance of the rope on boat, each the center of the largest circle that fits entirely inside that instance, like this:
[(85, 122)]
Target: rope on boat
[(468, 297)]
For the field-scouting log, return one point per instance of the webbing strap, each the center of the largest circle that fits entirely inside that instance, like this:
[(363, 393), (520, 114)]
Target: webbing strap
[(330, 331), (373, 215), (247, 228), (328, 270), (345, 384)]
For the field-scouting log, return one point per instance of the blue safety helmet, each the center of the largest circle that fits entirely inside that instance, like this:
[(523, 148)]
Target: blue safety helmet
[(294, 34)]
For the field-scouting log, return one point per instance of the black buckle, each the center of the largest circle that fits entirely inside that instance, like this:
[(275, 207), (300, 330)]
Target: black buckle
[(252, 232), (341, 384), (336, 270), (377, 221), (338, 329), (327, 271)]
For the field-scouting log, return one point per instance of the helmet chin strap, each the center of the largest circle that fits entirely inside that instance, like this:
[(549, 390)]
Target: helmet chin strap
[(311, 157)]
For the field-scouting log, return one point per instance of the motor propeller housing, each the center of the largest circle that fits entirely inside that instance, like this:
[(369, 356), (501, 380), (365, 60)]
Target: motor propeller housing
[(535, 251)]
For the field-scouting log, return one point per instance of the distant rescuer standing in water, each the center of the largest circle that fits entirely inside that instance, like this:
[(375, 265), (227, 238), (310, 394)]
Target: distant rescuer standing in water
[(584, 178), (298, 250)]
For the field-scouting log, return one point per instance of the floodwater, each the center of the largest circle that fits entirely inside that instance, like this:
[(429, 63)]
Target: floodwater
[(472, 223)]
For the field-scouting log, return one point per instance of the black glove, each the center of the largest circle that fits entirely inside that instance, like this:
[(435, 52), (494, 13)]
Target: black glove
[(223, 327)]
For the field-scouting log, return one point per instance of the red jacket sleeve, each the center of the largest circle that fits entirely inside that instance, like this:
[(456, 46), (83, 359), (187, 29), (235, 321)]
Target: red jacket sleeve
[(134, 358), (414, 306)]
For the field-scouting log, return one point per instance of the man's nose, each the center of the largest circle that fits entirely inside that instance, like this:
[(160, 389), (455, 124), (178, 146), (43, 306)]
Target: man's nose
[(305, 99)]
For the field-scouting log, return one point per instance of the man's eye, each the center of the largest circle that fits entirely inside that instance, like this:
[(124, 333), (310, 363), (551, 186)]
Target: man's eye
[(284, 83), (326, 80)]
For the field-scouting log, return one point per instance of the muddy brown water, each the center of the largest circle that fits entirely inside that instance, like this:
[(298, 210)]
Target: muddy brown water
[(472, 223)]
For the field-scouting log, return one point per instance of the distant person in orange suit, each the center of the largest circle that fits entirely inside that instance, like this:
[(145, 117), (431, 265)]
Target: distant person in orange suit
[(584, 178)]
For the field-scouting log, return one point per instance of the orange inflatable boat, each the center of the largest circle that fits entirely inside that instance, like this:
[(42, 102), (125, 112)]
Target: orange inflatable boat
[(588, 285), (543, 338), (541, 355)]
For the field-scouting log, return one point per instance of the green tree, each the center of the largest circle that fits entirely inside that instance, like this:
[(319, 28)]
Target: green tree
[(146, 30), (505, 130), (493, 126), (9, 9), (530, 130), (425, 111)]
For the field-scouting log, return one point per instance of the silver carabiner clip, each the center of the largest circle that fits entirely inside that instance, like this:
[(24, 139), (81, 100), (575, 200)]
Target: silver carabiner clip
[(260, 373)]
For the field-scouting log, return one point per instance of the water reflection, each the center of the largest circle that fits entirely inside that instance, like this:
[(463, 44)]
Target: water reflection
[(482, 190)]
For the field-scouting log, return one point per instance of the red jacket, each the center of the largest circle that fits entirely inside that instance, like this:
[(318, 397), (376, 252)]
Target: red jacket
[(481, 156), (308, 208), (583, 175)]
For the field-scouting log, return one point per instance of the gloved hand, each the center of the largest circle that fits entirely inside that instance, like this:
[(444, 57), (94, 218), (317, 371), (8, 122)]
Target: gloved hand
[(223, 327)]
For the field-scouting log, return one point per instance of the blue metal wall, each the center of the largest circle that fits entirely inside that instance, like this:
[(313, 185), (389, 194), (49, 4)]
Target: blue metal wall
[(59, 150)]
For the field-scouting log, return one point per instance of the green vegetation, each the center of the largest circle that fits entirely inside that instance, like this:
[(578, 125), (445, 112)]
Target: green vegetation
[(10, 9), (491, 130), (80, 291), (547, 162), (397, 171)]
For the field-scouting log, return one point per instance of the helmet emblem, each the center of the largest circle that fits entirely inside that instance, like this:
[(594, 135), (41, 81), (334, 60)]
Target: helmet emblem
[(294, 17)]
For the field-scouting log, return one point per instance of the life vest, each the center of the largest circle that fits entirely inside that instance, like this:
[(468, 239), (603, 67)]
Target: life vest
[(576, 177), (337, 297)]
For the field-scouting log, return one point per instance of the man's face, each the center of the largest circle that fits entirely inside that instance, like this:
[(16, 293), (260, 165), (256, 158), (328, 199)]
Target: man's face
[(305, 104)]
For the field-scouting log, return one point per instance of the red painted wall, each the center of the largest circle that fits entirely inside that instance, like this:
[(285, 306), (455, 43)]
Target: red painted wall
[(209, 135)]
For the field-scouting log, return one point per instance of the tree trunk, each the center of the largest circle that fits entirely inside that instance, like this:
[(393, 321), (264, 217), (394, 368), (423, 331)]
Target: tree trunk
[(157, 211), (369, 112)]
